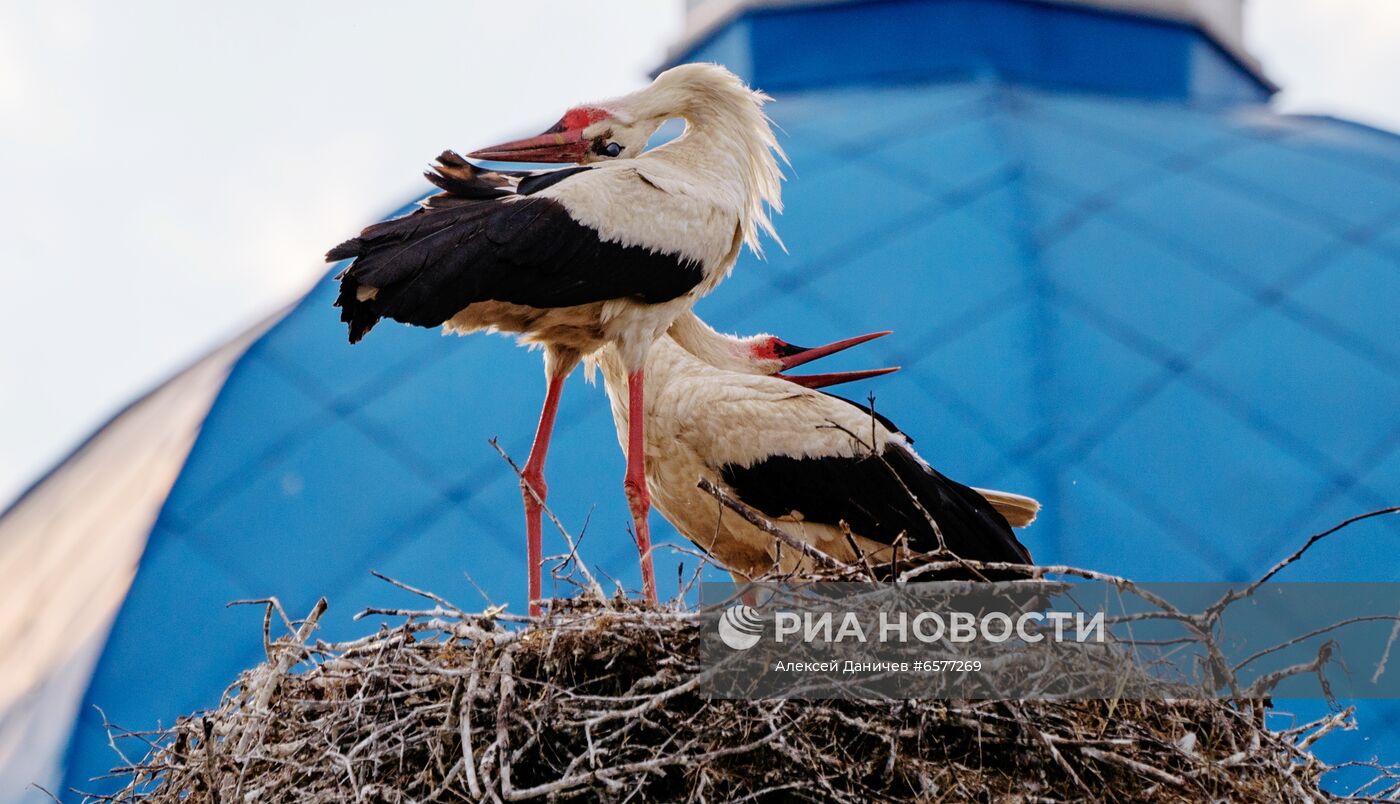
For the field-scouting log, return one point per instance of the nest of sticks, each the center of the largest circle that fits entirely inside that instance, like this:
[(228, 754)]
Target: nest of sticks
[(600, 699)]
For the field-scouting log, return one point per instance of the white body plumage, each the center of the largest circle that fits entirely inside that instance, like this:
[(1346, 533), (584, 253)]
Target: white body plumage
[(702, 417), (702, 196)]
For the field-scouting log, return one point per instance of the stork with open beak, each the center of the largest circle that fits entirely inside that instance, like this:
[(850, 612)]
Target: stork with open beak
[(610, 251), (719, 407)]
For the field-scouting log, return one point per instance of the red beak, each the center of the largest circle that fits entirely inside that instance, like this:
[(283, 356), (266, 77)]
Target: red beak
[(836, 378), (797, 355), (559, 144)]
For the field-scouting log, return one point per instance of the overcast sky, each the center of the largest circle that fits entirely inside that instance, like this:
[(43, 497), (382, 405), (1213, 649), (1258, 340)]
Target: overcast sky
[(170, 171)]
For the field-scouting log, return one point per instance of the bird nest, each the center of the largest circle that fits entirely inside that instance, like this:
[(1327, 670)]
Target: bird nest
[(600, 699), (603, 698)]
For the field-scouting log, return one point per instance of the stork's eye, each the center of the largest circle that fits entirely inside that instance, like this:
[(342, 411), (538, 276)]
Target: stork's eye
[(602, 147)]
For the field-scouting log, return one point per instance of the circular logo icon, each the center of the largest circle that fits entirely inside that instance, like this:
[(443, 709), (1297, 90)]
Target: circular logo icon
[(740, 627)]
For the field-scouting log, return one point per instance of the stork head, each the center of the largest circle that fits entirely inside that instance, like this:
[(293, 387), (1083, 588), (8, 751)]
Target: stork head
[(766, 355), (585, 134), (772, 356), (702, 94)]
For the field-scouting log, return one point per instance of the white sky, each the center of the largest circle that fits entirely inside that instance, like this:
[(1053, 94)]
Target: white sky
[(1338, 57), (171, 171)]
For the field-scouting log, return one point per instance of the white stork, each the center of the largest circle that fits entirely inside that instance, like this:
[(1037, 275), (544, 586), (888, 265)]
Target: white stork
[(716, 408), (608, 252)]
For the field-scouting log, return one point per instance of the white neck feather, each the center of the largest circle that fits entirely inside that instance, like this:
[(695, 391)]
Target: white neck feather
[(728, 352), (727, 139)]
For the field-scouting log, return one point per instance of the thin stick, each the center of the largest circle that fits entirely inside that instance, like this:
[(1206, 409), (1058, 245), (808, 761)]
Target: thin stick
[(1232, 596), (568, 539)]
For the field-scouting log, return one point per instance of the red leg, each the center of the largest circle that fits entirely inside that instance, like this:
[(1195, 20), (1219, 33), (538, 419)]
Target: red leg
[(636, 483), (533, 478)]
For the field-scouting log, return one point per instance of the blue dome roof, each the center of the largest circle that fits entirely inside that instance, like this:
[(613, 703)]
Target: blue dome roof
[(1118, 283)]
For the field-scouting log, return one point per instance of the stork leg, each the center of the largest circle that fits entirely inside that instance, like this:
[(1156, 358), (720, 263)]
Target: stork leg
[(638, 500), (534, 490)]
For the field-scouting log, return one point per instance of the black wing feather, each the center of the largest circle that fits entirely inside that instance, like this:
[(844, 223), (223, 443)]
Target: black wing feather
[(481, 240), (463, 182), (540, 180), (866, 493)]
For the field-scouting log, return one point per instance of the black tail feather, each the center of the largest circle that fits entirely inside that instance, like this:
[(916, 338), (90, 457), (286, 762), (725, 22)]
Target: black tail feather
[(358, 314), (461, 181), (350, 248)]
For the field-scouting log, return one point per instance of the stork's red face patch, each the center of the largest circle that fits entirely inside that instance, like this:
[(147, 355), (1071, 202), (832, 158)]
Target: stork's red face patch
[(774, 349), (579, 118)]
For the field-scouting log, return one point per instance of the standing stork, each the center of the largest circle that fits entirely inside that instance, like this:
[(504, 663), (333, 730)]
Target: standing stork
[(718, 408), (610, 251)]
